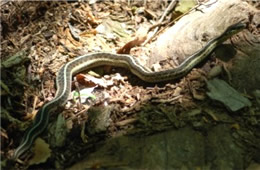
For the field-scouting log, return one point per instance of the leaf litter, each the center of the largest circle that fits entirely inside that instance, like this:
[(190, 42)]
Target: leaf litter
[(53, 33)]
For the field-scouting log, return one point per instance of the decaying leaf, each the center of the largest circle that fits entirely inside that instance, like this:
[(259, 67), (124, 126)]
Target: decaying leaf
[(16, 59), (185, 5), (41, 152), (59, 131), (221, 91)]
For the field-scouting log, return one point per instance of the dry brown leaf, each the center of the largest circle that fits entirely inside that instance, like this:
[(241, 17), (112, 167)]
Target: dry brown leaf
[(90, 81), (88, 33), (140, 37), (84, 80), (71, 39)]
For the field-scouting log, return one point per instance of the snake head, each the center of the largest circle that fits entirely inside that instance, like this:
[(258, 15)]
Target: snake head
[(235, 28)]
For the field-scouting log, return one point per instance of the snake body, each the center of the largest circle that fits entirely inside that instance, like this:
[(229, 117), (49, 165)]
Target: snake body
[(63, 79)]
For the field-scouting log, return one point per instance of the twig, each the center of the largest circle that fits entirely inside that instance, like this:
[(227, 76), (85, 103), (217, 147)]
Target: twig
[(168, 9)]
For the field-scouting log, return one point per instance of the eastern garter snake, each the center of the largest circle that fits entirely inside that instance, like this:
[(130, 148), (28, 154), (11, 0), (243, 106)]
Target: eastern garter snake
[(63, 80)]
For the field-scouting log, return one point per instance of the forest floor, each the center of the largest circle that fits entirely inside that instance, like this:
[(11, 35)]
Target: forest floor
[(117, 121)]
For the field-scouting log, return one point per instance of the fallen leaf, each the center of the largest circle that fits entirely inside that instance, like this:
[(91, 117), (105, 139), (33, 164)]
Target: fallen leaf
[(41, 152), (140, 37), (185, 6), (221, 91)]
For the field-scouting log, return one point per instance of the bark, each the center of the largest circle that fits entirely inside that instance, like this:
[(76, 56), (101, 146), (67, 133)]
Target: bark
[(195, 29)]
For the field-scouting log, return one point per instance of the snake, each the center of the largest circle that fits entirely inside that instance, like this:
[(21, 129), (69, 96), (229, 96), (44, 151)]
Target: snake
[(88, 61)]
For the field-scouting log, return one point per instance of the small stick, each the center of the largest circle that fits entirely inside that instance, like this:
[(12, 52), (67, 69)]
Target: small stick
[(168, 9)]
